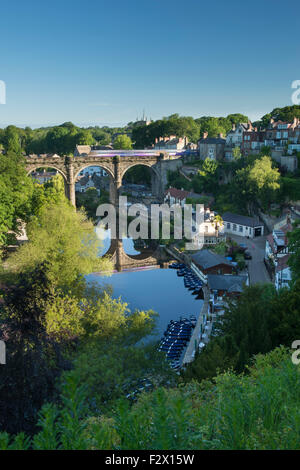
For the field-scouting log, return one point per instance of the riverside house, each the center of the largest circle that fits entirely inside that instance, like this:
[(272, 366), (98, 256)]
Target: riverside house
[(206, 262), (242, 225)]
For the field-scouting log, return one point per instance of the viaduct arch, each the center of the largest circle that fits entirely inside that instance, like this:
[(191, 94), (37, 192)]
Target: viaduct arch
[(122, 261), (115, 163)]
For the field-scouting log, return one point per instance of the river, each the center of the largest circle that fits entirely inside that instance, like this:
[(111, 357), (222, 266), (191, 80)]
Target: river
[(149, 288)]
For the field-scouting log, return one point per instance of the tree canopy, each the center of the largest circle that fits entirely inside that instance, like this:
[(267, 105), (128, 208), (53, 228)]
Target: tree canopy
[(63, 238), (122, 142)]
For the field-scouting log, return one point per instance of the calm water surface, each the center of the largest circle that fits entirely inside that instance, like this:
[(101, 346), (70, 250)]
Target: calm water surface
[(157, 289)]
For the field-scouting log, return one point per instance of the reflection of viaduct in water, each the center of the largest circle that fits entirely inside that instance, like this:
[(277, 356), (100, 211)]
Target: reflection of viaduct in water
[(116, 164), (123, 261)]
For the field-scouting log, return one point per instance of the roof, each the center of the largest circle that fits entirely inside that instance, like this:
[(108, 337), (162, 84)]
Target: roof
[(102, 147), (207, 259), (245, 125), (212, 140), (241, 219), (271, 242), (83, 149), (83, 180), (227, 282), (287, 228), (177, 193), (282, 263)]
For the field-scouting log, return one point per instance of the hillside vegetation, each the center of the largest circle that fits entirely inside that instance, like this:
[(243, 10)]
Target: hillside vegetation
[(259, 410)]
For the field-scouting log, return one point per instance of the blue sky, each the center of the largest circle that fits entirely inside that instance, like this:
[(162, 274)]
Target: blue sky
[(97, 62)]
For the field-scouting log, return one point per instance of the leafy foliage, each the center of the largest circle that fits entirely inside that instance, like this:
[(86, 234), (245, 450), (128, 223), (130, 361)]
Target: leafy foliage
[(90, 200), (16, 190), (294, 249), (258, 411), (34, 360), (122, 142), (64, 238), (259, 321)]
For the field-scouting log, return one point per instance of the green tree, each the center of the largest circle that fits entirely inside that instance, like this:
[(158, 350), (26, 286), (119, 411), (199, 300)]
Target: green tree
[(237, 118), (286, 113), (213, 127), (257, 183), (258, 411), (294, 249), (16, 190), (66, 240), (265, 178), (12, 140), (236, 153), (90, 200), (284, 320), (207, 177), (243, 331), (34, 361), (122, 142), (84, 137)]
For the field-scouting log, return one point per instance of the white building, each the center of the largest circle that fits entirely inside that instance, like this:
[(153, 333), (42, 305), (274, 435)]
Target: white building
[(209, 232), (241, 225), (176, 196), (234, 138), (283, 275), (277, 243), (84, 183)]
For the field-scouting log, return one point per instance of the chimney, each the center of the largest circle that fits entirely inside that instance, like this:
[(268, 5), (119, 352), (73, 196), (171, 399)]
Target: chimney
[(233, 127), (220, 136), (205, 135), (295, 122)]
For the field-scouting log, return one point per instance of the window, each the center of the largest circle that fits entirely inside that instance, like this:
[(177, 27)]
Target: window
[(234, 227), (240, 228), (228, 225)]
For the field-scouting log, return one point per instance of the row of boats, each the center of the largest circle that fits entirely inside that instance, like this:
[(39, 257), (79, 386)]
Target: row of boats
[(191, 280), (176, 338)]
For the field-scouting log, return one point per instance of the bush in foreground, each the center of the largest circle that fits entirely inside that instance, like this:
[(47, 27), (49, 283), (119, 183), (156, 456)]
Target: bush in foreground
[(259, 410)]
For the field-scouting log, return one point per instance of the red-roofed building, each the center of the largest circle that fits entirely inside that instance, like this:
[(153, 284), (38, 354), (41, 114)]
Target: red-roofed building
[(176, 196)]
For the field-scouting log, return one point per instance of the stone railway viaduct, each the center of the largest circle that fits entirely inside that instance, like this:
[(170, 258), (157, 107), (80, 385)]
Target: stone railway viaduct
[(116, 164)]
